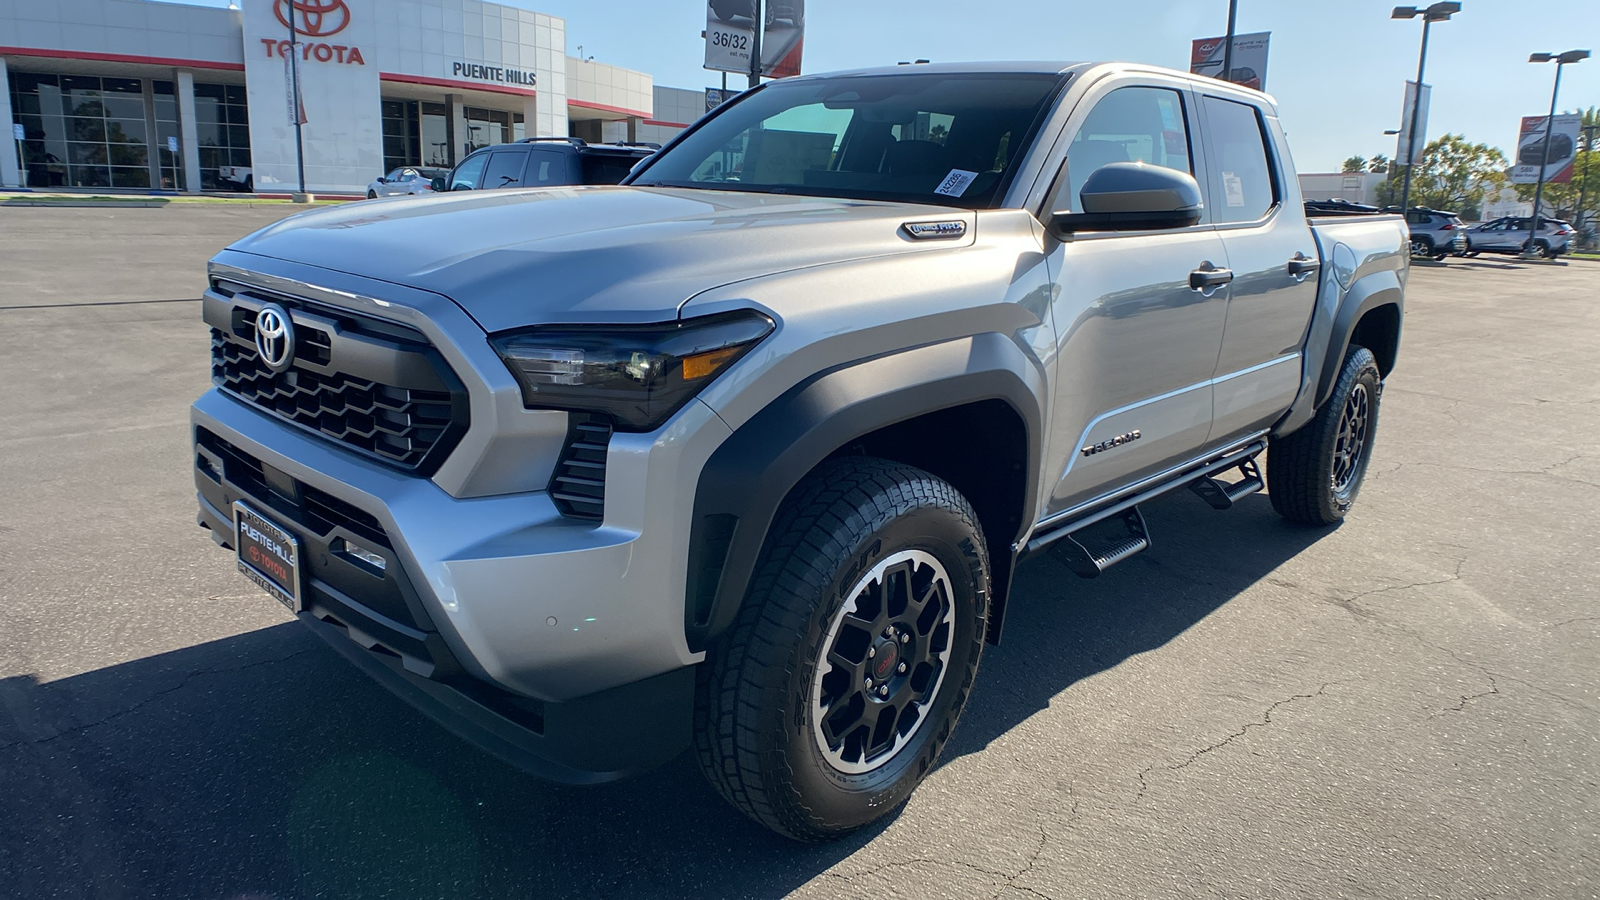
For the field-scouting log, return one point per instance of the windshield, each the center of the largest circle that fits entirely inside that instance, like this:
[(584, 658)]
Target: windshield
[(951, 140)]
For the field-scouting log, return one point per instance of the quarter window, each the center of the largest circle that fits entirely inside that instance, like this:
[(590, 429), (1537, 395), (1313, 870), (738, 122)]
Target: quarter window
[(1242, 187), (1133, 124)]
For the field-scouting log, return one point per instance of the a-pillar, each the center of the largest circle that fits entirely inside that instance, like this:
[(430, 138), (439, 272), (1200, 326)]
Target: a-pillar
[(188, 131), (10, 166)]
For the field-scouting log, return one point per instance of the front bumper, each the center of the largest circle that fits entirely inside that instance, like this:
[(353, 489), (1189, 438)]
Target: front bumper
[(382, 622)]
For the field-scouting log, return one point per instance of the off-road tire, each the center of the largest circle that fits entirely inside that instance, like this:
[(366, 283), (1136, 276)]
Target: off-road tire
[(753, 718), (1302, 468)]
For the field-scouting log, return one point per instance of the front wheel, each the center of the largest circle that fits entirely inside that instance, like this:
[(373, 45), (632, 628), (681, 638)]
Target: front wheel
[(1314, 474), (829, 700), (372, 195)]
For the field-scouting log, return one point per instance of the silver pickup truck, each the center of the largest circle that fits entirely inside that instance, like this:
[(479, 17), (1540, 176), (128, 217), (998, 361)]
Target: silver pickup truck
[(741, 455)]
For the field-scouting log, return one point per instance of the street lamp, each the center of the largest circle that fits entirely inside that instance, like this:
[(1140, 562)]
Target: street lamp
[(1438, 12), (1560, 59)]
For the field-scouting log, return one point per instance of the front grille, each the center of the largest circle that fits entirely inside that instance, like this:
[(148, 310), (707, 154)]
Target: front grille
[(578, 486), (412, 424)]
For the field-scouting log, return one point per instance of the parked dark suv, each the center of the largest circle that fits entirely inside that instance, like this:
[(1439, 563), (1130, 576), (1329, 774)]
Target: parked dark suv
[(544, 162)]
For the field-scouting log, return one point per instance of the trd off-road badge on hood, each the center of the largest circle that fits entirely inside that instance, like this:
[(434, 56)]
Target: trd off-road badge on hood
[(924, 231)]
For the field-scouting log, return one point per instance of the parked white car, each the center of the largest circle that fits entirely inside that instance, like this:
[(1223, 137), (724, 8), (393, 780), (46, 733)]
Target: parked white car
[(1510, 235), (403, 181)]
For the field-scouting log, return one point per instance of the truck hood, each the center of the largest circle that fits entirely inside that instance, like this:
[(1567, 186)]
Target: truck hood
[(590, 254)]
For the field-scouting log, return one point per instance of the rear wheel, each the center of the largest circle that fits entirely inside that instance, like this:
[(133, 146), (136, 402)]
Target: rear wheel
[(1421, 246), (1314, 474), (853, 655)]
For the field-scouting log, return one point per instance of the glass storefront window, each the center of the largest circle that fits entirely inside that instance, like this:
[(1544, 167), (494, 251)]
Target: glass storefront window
[(222, 126), (82, 130), (486, 127)]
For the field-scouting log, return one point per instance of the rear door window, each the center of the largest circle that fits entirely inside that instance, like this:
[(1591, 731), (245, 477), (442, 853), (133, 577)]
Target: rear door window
[(546, 168), (505, 169), (1242, 185)]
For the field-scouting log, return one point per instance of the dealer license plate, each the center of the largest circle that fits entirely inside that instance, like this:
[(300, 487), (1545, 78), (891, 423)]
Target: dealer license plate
[(268, 555)]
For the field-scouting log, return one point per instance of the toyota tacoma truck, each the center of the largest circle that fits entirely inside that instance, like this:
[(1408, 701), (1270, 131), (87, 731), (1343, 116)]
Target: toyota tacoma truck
[(741, 455)]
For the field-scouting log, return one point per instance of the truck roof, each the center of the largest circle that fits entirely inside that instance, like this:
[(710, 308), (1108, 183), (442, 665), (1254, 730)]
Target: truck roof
[(1039, 67)]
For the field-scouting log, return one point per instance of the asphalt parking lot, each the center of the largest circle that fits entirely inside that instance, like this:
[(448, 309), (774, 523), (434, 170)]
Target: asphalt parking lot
[(1404, 706)]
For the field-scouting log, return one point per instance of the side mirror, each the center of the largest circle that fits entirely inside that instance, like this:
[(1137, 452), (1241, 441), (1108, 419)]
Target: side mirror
[(1133, 196), (383, 179), (437, 185)]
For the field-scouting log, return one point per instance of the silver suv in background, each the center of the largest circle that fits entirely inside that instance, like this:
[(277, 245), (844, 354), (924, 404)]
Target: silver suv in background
[(1435, 233), (1509, 234)]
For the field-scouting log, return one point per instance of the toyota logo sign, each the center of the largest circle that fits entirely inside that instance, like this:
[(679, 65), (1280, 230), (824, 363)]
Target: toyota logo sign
[(313, 18), (275, 337)]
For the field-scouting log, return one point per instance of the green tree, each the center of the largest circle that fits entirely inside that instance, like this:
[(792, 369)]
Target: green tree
[(1355, 164), (1378, 165), (1455, 174)]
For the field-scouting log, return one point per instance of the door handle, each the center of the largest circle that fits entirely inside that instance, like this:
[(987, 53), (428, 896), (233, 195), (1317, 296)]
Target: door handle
[(1301, 266), (1209, 277)]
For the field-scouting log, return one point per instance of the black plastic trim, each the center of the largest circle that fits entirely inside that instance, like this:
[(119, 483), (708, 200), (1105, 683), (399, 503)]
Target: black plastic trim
[(595, 739), (747, 478)]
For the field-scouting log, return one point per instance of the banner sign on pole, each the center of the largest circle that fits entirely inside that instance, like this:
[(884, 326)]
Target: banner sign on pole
[(1531, 150), (291, 85), (1412, 141), (730, 34), (1249, 58)]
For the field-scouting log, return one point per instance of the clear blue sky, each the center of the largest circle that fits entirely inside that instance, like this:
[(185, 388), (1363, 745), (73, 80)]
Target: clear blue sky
[(1337, 67)]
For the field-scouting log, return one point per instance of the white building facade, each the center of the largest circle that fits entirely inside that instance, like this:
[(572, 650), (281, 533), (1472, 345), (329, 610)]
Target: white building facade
[(142, 95)]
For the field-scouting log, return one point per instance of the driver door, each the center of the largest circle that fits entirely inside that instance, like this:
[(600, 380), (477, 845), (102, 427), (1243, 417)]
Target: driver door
[(1137, 344)]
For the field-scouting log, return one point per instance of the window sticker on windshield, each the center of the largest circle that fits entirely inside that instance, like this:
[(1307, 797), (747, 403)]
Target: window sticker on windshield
[(1234, 187), (956, 183)]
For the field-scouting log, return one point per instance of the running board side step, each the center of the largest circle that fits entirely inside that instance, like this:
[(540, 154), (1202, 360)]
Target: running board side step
[(1117, 506), (1087, 563), (1222, 495)]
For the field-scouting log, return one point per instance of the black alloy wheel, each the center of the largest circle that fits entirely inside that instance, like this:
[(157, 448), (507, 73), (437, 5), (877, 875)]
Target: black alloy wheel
[(886, 655)]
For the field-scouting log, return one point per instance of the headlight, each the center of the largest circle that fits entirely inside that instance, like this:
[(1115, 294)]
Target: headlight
[(638, 374)]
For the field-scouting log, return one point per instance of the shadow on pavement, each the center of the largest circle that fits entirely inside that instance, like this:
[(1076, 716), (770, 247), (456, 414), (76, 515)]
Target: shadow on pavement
[(263, 766)]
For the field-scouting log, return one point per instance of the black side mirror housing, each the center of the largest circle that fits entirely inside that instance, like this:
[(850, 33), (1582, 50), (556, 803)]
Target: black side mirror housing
[(383, 179), (1133, 196), (437, 185)]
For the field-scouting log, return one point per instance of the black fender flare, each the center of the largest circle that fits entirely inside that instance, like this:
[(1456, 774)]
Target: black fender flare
[(1329, 340), (746, 479)]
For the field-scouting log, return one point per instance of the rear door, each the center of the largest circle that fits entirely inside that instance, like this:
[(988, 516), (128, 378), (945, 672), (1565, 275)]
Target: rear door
[(1255, 203), (505, 168), (1138, 333)]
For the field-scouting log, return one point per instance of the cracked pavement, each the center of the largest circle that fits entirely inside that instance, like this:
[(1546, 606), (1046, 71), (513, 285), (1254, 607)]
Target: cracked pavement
[(1402, 706)]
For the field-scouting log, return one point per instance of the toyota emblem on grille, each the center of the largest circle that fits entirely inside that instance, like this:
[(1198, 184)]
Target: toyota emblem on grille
[(275, 337)]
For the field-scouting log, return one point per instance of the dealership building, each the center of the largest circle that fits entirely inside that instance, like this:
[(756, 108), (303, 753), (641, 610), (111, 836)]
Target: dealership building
[(145, 95)]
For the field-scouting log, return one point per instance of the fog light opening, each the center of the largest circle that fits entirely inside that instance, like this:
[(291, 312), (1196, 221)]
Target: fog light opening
[(360, 554)]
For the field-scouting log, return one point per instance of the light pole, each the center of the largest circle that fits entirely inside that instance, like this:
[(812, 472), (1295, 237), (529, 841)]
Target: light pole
[(294, 105), (1227, 46), (1438, 12), (1560, 59)]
